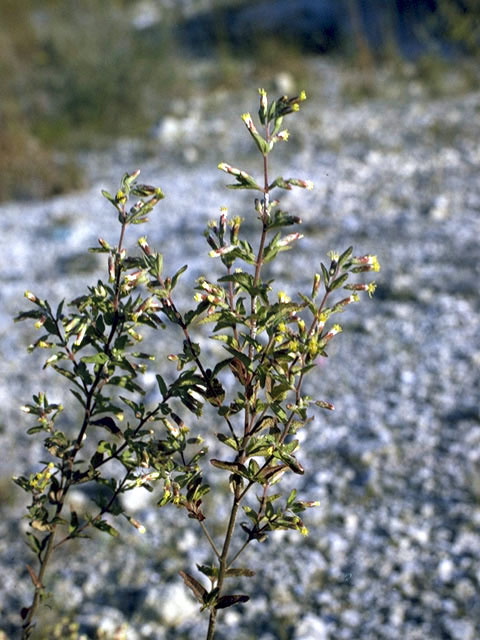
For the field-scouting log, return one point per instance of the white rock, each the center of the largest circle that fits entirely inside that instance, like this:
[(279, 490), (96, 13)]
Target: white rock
[(176, 606), (136, 499), (445, 569), (311, 628)]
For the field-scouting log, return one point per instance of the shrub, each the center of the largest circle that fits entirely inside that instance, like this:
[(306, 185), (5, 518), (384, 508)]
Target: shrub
[(254, 392)]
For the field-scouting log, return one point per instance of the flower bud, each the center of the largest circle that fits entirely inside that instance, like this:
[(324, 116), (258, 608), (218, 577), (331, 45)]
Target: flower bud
[(40, 322), (262, 112), (133, 278), (144, 246), (135, 335), (120, 197), (286, 240), (369, 261), (144, 190), (223, 166), (323, 404), (282, 135), (72, 324), (100, 291), (234, 229), (111, 269), (316, 284), (321, 319), (81, 335), (247, 119), (303, 184), (222, 226), (30, 296), (211, 242), (222, 251), (346, 301), (136, 524), (369, 287), (331, 333), (147, 305)]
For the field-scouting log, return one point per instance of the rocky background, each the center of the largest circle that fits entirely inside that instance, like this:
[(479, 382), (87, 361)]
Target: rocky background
[(394, 548)]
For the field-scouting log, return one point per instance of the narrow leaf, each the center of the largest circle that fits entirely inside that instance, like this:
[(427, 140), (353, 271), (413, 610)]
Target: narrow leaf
[(161, 385), (36, 582), (178, 274), (197, 589), (338, 282), (234, 572), (210, 572), (228, 601), (98, 358), (108, 424)]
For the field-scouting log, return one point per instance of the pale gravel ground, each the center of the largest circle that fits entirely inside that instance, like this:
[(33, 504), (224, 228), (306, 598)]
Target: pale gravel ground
[(394, 549)]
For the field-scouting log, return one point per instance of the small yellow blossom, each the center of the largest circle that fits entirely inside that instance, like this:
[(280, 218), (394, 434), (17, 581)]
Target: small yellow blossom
[(282, 297)]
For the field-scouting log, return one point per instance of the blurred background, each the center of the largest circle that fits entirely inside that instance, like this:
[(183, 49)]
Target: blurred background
[(390, 136), (77, 75)]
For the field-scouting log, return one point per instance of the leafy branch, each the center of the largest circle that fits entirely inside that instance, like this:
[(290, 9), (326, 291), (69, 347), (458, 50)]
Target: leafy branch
[(271, 345)]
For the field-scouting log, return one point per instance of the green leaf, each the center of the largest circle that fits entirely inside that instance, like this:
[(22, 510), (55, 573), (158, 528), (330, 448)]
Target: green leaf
[(291, 498), (326, 275), (24, 315), (96, 460), (234, 467), (99, 358), (308, 302), (126, 383), (107, 423), (65, 372), (209, 571), (251, 514), (177, 275), (106, 447), (279, 412), (34, 430), (212, 317), (338, 282), (194, 313), (228, 440), (345, 256), (259, 446), (34, 543), (253, 468), (244, 359), (264, 423), (110, 198), (103, 525), (161, 385), (273, 473), (291, 461), (282, 219), (73, 521)]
